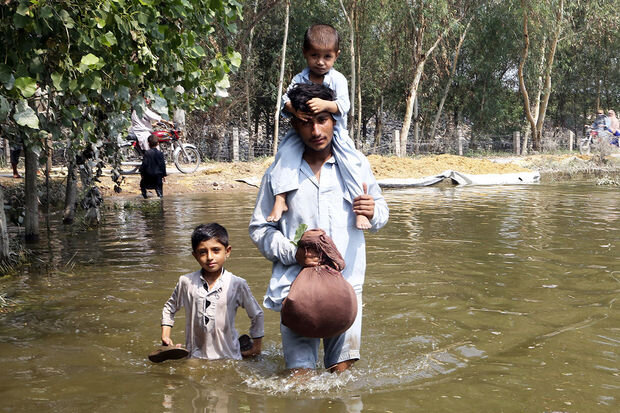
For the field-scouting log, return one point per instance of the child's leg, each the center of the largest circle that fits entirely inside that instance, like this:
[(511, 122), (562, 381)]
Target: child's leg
[(279, 207), (143, 187), (350, 165), (362, 222)]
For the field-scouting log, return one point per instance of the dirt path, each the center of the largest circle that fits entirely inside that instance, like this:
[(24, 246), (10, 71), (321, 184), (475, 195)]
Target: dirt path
[(224, 176)]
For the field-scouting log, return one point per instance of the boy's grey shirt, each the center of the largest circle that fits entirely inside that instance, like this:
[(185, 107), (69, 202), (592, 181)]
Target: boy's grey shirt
[(218, 338), (318, 205)]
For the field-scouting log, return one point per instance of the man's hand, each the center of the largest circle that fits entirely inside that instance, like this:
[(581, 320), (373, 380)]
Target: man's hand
[(364, 204), (307, 257)]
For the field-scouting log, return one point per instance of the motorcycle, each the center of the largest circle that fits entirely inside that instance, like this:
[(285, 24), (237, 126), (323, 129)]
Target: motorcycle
[(184, 155)]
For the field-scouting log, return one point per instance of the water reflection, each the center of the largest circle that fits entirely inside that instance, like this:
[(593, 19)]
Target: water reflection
[(476, 299)]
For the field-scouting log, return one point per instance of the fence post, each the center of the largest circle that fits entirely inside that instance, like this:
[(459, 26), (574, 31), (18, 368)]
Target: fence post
[(235, 144), (459, 134), (571, 140), (516, 142), (397, 143)]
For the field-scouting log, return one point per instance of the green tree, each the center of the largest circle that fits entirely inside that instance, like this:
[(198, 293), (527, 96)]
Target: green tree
[(94, 60)]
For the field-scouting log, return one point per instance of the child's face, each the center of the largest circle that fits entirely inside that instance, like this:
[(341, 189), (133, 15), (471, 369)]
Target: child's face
[(320, 59), (211, 255)]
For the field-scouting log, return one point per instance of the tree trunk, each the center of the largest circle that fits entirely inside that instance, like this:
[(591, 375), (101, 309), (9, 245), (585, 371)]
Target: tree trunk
[(411, 97), (522, 88), (378, 126), (31, 201), (70, 193), (276, 129), (248, 75), (4, 234), (547, 91), (351, 116), (450, 77)]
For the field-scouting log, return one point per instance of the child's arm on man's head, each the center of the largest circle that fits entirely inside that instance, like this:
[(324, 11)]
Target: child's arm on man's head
[(319, 105), (301, 115)]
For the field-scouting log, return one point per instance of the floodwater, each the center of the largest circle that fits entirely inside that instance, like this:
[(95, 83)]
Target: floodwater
[(477, 299)]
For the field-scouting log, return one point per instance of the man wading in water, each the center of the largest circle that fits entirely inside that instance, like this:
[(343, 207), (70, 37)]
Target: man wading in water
[(319, 202)]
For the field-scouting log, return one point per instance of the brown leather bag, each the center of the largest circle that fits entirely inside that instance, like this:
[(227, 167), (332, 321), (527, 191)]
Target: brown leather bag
[(320, 303)]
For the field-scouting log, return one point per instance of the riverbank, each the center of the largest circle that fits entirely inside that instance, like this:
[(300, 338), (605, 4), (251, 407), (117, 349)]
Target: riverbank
[(245, 176)]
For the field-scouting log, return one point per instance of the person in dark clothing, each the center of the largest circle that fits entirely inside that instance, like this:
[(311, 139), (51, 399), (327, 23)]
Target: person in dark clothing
[(153, 169)]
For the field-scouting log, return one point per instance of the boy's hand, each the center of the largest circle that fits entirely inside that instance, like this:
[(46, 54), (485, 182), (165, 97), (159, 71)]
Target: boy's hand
[(364, 204), (255, 350), (304, 116), (319, 105), (165, 336), (307, 257)]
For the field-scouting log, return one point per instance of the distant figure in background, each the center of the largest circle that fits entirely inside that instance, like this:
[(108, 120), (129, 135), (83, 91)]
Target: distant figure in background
[(613, 123), (16, 150), (142, 127), (153, 169)]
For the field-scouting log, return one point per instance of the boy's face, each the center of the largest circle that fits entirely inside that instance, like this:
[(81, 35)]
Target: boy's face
[(211, 255), (320, 59)]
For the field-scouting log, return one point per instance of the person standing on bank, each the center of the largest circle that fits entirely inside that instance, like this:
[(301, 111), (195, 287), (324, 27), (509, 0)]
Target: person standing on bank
[(319, 202), (153, 169)]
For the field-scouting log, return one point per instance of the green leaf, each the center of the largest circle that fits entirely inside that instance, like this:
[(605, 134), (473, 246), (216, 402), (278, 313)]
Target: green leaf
[(5, 108), (89, 59), (26, 85), (23, 9), (108, 39), (299, 232), (46, 12), (57, 80), (6, 77), (100, 22), (235, 59), (25, 116), (66, 19)]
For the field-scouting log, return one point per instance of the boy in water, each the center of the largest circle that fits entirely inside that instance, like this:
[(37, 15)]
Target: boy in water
[(320, 49), (153, 169), (211, 297)]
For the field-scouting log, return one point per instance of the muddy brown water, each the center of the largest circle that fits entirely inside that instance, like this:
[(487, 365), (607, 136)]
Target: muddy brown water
[(500, 298)]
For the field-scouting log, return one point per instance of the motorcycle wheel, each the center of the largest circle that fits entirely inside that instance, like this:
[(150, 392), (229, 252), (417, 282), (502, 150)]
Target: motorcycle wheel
[(584, 147), (187, 162), (130, 160)]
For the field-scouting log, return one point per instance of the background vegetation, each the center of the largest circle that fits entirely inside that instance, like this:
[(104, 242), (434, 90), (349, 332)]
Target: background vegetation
[(72, 71)]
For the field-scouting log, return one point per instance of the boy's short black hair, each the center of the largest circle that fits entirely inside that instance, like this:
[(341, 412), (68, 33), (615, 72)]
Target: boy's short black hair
[(303, 92), (322, 35), (205, 232), (153, 141)]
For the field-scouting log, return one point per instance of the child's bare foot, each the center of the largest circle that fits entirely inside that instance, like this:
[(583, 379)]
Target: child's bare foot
[(279, 207), (362, 222)]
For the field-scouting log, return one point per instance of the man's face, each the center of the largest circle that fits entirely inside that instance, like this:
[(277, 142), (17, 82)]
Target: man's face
[(316, 133)]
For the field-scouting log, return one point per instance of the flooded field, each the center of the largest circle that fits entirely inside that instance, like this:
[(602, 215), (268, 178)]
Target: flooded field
[(476, 299)]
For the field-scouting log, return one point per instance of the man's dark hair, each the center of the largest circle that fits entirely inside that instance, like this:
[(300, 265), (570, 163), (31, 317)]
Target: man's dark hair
[(205, 232), (153, 141), (303, 92), (321, 35)]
